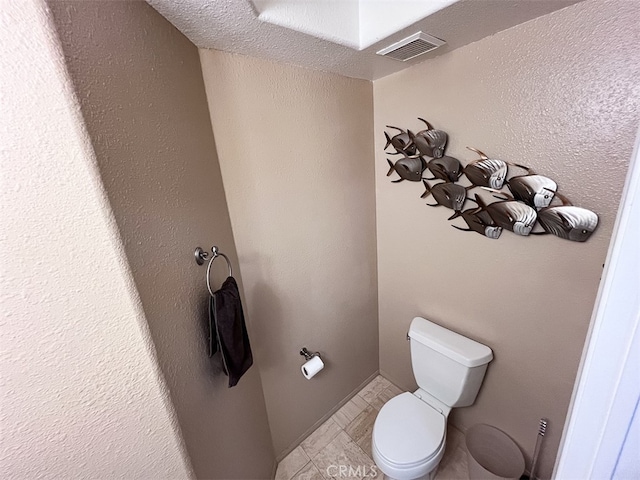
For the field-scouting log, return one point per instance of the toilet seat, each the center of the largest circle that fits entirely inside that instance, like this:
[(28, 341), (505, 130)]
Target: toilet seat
[(408, 436)]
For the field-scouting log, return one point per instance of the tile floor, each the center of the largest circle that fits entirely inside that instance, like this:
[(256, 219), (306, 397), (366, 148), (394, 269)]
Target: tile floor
[(345, 439)]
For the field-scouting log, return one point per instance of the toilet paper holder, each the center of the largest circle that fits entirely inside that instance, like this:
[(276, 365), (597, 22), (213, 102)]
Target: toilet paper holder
[(307, 354)]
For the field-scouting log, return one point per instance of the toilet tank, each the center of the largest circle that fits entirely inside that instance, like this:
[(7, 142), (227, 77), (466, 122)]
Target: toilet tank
[(447, 365)]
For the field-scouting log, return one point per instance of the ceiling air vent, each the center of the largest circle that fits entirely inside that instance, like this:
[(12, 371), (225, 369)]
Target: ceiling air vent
[(411, 47)]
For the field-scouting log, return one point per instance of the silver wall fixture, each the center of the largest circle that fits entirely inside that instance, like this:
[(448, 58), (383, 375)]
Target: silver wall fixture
[(201, 256), (307, 354)]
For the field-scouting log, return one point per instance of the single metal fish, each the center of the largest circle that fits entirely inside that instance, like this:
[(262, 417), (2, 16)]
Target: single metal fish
[(409, 168), (401, 142), (486, 172), (429, 142), (569, 222), (447, 194), (512, 215), (445, 168), (534, 190), (489, 172), (479, 221)]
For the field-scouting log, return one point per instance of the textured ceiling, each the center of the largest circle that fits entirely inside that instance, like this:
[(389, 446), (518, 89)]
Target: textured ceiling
[(233, 26)]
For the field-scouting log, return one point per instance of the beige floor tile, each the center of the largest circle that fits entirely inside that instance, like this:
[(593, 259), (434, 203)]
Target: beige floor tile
[(384, 381), (349, 411), (395, 390), (374, 388), (388, 393), (361, 429), (292, 464), (453, 465), (309, 472), (376, 474), (343, 459), (321, 437), (377, 403)]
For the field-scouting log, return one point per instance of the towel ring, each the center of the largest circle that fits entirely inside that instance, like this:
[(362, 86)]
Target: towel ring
[(201, 256)]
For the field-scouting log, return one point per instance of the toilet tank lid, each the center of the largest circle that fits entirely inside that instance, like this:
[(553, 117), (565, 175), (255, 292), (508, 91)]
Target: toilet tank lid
[(463, 350)]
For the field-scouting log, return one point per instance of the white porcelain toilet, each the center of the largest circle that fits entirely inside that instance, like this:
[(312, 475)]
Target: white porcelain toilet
[(410, 431)]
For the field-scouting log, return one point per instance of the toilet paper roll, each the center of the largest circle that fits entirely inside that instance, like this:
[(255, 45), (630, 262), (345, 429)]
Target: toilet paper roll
[(313, 366)]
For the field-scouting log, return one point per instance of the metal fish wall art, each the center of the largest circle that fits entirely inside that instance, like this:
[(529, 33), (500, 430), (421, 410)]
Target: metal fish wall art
[(408, 168), (534, 190), (567, 221), (445, 168), (528, 203), (511, 215), (479, 221), (429, 142), (447, 194), (401, 142)]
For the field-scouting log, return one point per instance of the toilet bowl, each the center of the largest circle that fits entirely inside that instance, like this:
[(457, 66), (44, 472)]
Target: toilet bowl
[(409, 434), (408, 438)]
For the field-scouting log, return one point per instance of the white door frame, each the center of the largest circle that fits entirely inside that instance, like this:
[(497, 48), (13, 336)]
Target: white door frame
[(600, 435)]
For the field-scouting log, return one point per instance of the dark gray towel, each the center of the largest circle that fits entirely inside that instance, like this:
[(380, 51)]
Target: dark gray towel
[(228, 330)]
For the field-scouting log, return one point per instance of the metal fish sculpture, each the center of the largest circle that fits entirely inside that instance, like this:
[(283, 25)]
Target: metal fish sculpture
[(409, 168), (534, 190), (447, 194), (429, 142), (488, 172), (568, 222), (479, 221), (401, 142), (445, 168), (510, 215)]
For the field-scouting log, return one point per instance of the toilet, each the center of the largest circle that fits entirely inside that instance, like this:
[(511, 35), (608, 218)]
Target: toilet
[(410, 431)]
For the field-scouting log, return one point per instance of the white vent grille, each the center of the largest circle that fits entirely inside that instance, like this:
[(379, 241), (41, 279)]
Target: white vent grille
[(411, 47)]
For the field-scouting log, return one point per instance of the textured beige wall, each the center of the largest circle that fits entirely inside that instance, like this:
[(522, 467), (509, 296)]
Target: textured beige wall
[(296, 151), (141, 92), (81, 393), (561, 95)]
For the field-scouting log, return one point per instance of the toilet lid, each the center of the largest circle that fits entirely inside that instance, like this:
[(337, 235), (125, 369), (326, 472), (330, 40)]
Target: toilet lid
[(408, 431)]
